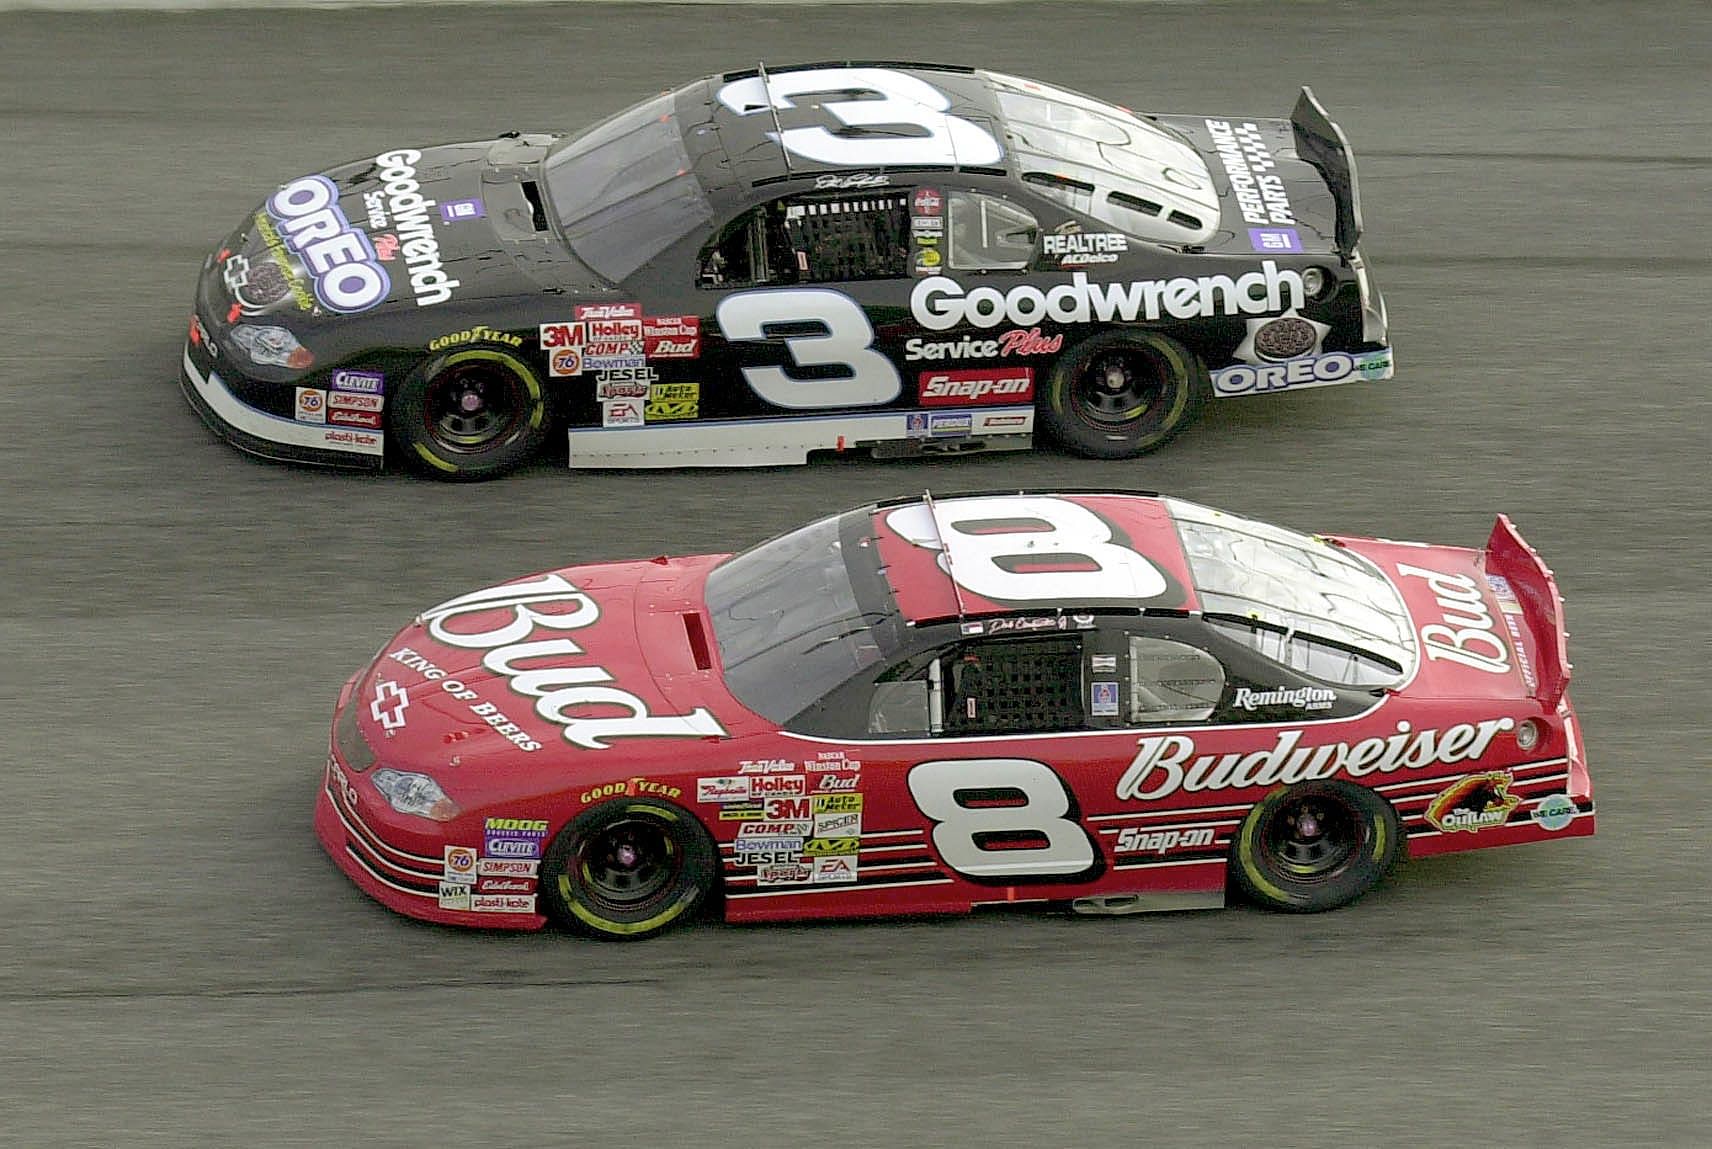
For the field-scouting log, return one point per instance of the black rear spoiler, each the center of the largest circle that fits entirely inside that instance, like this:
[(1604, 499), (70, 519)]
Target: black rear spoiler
[(1323, 144)]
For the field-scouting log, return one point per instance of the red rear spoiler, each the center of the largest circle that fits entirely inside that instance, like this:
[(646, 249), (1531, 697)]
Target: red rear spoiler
[(1509, 555)]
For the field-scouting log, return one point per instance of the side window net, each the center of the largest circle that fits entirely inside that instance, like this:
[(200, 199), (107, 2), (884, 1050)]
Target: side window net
[(813, 241), (1172, 681), (1015, 687)]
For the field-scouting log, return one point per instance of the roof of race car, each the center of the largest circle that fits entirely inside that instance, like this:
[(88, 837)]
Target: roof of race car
[(1018, 552)]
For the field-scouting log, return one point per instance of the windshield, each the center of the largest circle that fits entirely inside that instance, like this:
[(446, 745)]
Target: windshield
[(624, 191), (1298, 586), (799, 615), (1106, 162)]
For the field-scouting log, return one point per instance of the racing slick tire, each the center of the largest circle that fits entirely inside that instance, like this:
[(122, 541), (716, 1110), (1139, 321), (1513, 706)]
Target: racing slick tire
[(1123, 394), (1314, 846), (471, 414), (628, 869)]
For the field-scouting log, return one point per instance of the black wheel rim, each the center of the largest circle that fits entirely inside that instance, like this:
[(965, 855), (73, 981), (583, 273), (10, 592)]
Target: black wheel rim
[(1312, 838), (1116, 389), (628, 865), (472, 407)]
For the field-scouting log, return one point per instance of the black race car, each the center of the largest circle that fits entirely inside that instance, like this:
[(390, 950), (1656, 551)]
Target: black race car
[(903, 258)]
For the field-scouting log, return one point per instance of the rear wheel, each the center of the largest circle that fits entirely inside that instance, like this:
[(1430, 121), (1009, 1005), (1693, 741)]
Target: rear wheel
[(1315, 846), (628, 869), (472, 414), (1123, 394)]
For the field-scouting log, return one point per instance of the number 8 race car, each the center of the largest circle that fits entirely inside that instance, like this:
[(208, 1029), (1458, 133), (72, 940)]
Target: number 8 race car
[(764, 264), (1114, 702)]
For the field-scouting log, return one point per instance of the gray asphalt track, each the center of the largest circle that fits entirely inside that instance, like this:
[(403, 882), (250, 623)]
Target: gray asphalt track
[(179, 964)]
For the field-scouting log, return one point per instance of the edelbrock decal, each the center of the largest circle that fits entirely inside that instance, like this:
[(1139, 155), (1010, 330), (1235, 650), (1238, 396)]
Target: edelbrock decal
[(1164, 765), (940, 302), (558, 689)]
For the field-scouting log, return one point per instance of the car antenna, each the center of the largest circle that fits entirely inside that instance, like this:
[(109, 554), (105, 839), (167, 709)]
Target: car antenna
[(944, 549), (778, 128)]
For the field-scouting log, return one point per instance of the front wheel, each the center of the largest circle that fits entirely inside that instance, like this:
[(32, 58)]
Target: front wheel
[(628, 869), (472, 414), (1315, 846), (1123, 394)]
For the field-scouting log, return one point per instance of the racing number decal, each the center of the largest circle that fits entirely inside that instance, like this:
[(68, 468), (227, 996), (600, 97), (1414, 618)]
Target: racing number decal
[(1029, 550), (848, 342), (1030, 838), (903, 100)]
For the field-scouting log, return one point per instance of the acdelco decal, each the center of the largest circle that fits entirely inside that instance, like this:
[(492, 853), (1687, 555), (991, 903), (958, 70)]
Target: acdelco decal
[(340, 259), (941, 303), (990, 385), (559, 688)]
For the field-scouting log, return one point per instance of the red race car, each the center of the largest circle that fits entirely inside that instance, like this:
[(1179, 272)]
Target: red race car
[(1112, 701)]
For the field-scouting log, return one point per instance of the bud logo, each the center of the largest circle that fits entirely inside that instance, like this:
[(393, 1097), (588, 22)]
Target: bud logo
[(389, 704), (777, 785), (1466, 636), (461, 864), (1477, 802), (671, 348), (1159, 841), (992, 385), (832, 782)]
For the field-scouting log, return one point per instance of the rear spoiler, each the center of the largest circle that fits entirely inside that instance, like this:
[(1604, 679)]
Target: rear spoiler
[(1509, 555), (1323, 144)]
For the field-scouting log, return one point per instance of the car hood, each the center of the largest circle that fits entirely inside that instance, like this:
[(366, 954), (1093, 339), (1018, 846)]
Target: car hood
[(593, 661), (426, 234)]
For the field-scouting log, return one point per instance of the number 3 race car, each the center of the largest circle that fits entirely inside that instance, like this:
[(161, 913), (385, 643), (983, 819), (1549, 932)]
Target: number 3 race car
[(1108, 701), (764, 264)]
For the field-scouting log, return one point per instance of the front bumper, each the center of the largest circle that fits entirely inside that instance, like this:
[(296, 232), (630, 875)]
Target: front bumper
[(210, 390)]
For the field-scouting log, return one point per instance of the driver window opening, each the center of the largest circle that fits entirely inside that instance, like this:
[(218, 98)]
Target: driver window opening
[(989, 234), (1014, 687), (1172, 682), (813, 240)]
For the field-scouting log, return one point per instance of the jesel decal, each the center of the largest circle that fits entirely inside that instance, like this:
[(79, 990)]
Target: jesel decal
[(559, 689), (1165, 765)]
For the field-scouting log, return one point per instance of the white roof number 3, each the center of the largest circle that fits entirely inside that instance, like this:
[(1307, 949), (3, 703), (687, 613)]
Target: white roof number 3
[(904, 100)]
